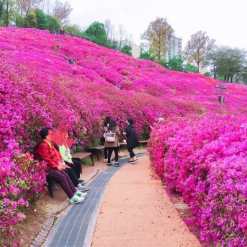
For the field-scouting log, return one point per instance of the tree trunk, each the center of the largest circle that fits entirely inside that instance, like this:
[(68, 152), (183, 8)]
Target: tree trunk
[(214, 72), (7, 14), (198, 66)]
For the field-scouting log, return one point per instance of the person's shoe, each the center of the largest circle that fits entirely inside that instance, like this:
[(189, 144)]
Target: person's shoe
[(54, 186), (80, 181), (117, 164), (80, 194), (133, 161), (75, 199), (105, 160), (109, 164), (82, 188), (130, 161)]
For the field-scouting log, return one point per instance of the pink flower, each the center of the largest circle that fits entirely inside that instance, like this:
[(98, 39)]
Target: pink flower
[(28, 156)]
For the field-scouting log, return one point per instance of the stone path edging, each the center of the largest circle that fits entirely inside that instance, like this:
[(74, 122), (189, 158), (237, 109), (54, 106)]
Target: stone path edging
[(49, 224)]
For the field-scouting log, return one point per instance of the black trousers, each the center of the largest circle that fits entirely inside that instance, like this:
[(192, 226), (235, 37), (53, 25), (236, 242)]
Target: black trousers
[(76, 166), (72, 176), (105, 153), (132, 154), (110, 150)]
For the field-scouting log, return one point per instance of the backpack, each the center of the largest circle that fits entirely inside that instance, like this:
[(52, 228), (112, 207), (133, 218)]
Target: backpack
[(110, 137)]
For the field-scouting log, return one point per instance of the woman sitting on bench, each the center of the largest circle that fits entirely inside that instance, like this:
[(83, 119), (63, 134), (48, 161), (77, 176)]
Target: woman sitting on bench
[(46, 151), (75, 164)]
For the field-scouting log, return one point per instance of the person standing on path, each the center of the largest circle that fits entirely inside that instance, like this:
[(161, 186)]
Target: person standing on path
[(113, 145), (132, 140), (106, 126)]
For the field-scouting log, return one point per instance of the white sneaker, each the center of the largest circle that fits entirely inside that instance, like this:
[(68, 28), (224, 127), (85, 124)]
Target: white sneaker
[(75, 199), (105, 160), (133, 161), (82, 188), (80, 194)]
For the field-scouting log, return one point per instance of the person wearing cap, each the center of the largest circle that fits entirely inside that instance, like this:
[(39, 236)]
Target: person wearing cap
[(131, 139)]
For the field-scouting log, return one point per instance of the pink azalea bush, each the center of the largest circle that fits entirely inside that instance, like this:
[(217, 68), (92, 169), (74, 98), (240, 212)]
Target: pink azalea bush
[(40, 88), (204, 159), (22, 181)]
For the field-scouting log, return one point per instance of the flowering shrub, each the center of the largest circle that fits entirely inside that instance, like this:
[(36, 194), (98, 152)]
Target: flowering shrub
[(39, 87), (223, 214), (205, 159), (22, 180)]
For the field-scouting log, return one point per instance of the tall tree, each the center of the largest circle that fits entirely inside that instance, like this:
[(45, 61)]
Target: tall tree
[(212, 60), (121, 35), (146, 54), (7, 12), (97, 34), (75, 29), (198, 47), (109, 28), (53, 23), (127, 50), (96, 29), (24, 6), (1, 10), (19, 21), (62, 11), (227, 63), (41, 19), (176, 63), (158, 35), (230, 62), (30, 19)]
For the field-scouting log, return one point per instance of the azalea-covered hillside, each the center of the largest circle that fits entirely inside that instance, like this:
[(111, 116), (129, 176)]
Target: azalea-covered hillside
[(40, 87)]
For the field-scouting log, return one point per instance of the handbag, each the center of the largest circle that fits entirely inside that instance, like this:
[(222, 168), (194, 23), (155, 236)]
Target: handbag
[(110, 137), (102, 139)]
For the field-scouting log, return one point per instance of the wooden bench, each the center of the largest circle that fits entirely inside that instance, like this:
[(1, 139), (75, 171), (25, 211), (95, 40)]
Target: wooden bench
[(96, 150), (143, 141), (125, 143), (82, 155)]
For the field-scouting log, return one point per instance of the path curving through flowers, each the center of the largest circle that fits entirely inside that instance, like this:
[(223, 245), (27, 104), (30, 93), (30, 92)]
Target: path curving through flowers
[(136, 211)]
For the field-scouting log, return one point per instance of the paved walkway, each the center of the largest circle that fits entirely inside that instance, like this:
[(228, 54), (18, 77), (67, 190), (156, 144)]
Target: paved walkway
[(76, 227), (131, 210)]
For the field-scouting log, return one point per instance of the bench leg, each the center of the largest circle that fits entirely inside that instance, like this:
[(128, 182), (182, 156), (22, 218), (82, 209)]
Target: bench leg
[(91, 156), (97, 154)]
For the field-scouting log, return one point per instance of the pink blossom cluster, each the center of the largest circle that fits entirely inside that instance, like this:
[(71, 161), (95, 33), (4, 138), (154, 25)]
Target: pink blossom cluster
[(205, 159), (39, 87), (22, 180)]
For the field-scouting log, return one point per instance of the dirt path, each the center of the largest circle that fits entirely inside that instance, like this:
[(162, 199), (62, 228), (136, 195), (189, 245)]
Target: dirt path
[(136, 211)]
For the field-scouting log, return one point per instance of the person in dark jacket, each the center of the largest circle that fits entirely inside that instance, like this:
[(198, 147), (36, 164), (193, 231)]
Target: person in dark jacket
[(132, 140)]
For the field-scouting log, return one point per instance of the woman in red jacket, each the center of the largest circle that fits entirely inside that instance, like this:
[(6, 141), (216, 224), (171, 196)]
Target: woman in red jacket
[(46, 151)]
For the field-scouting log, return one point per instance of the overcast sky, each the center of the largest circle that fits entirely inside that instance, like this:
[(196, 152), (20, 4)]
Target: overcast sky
[(223, 20)]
